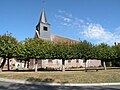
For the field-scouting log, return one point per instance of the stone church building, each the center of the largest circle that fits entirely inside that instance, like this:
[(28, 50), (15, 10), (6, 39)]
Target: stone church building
[(43, 32)]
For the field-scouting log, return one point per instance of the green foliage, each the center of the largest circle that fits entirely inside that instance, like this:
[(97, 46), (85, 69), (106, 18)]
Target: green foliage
[(37, 48), (83, 50), (77, 54), (20, 50), (105, 52), (7, 45), (116, 50), (61, 50), (86, 50), (65, 50)]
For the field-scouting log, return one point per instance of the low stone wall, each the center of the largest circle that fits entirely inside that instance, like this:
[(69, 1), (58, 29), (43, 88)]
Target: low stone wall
[(93, 63), (57, 63)]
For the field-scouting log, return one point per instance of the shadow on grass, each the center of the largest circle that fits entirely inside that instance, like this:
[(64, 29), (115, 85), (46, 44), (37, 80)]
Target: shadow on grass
[(46, 80), (18, 70), (52, 69), (31, 70)]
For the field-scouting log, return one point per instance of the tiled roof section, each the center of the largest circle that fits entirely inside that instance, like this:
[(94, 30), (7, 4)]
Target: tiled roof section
[(56, 38)]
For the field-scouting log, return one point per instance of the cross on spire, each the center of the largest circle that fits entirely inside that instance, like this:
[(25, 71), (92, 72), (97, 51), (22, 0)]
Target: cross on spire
[(43, 16), (43, 1)]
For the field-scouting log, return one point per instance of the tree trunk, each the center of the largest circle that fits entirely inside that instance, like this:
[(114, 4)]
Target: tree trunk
[(28, 63), (25, 64), (36, 65), (63, 65), (104, 64), (110, 63), (3, 63), (8, 64)]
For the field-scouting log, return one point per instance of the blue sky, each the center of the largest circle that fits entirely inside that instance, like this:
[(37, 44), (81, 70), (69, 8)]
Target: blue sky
[(96, 21)]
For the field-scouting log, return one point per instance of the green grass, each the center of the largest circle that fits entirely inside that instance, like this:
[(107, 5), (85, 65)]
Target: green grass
[(66, 77)]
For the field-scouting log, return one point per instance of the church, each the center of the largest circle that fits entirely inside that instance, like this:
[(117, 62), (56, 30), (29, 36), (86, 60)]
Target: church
[(43, 32)]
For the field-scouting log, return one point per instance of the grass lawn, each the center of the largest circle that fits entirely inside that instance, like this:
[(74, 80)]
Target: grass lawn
[(101, 76)]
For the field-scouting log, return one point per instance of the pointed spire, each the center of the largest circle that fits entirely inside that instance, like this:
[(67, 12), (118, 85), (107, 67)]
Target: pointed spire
[(43, 17)]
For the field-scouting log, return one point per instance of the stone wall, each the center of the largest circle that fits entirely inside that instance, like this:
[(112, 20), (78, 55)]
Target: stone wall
[(57, 63)]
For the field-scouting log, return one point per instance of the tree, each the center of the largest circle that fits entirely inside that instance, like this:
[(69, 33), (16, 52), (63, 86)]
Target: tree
[(76, 51), (104, 53), (116, 55), (83, 50), (86, 51), (63, 51), (7, 48), (37, 49)]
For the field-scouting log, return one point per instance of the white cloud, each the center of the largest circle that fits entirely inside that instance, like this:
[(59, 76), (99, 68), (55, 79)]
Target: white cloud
[(66, 19), (117, 34), (117, 31), (87, 29), (65, 13), (97, 32), (61, 11), (118, 28)]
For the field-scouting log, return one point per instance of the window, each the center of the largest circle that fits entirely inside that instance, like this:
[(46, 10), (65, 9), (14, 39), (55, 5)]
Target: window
[(45, 28), (50, 61), (77, 60)]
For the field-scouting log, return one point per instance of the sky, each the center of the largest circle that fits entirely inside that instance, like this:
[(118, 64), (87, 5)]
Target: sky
[(96, 21)]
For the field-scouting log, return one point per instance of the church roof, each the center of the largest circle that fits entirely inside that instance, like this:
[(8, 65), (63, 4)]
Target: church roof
[(57, 38)]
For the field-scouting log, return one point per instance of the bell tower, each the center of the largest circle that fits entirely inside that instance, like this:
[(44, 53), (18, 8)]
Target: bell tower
[(43, 27)]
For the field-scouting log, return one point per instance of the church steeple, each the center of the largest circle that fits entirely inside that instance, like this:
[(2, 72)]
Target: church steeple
[(43, 18), (43, 27)]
